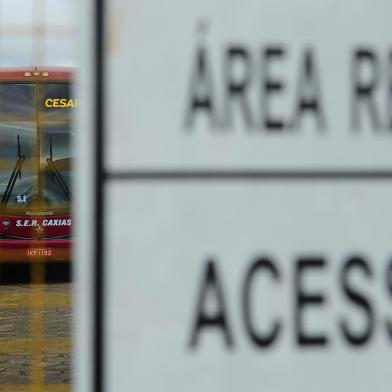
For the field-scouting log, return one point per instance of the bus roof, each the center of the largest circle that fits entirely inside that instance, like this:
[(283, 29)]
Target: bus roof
[(29, 74)]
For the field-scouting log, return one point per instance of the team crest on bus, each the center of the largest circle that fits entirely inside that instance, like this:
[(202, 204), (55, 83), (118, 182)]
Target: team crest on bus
[(5, 223)]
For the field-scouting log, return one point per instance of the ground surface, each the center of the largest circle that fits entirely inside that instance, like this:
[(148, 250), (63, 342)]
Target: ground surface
[(35, 337)]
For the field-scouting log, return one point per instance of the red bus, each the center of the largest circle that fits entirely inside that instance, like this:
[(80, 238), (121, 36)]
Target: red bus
[(35, 164)]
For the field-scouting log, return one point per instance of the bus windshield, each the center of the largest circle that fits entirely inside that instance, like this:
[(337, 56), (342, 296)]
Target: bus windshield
[(17, 138), (35, 144), (56, 135)]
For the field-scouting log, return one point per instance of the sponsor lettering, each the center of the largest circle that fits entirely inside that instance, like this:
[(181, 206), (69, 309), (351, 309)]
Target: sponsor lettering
[(61, 103)]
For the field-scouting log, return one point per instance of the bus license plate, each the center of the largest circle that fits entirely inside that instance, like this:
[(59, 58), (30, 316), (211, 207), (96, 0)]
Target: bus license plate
[(39, 252)]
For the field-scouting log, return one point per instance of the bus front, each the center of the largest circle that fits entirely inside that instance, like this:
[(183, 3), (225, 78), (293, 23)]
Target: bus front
[(35, 165)]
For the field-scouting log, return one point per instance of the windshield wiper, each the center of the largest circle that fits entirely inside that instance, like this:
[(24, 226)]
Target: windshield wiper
[(57, 174), (17, 172)]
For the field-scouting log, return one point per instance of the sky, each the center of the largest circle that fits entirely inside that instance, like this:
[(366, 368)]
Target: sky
[(36, 32)]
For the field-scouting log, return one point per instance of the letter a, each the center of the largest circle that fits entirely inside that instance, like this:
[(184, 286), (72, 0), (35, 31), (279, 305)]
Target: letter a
[(211, 286)]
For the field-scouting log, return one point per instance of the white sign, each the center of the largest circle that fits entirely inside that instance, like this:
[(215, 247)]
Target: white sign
[(242, 188), (244, 84)]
